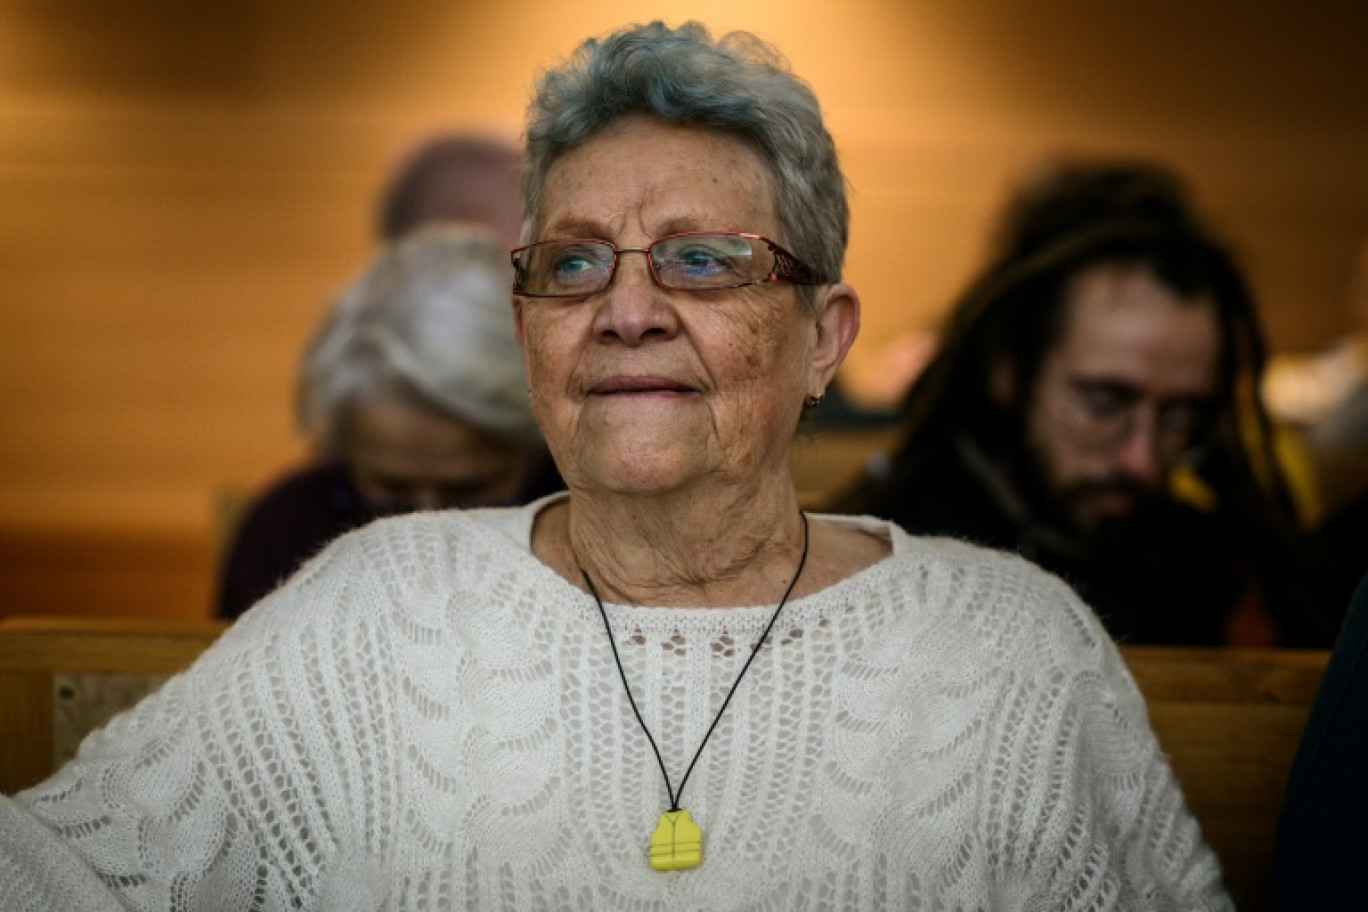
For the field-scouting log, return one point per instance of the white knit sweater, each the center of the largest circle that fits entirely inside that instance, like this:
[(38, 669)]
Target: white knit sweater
[(427, 717)]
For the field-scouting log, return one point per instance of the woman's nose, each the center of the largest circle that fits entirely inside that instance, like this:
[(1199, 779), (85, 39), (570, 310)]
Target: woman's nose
[(633, 308)]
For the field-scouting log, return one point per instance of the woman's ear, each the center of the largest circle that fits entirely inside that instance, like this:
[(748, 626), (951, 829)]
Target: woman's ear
[(838, 322)]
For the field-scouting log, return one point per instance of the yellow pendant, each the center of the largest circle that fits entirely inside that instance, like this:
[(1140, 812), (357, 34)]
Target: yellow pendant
[(677, 842)]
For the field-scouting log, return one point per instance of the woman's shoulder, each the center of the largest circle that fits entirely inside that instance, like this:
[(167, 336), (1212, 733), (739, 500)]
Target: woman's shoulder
[(428, 547), (398, 561), (996, 598), (915, 552)]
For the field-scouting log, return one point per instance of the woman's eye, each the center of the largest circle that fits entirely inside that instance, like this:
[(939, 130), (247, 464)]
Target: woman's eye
[(571, 264), (700, 259)]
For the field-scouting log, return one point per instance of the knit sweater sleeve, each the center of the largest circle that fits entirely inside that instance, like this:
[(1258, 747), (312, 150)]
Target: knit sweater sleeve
[(225, 788)]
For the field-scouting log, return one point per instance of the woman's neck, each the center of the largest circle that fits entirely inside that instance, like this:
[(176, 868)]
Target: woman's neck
[(736, 548)]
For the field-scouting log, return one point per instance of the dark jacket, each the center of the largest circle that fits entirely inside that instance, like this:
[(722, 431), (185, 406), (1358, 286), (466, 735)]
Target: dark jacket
[(1181, 576)]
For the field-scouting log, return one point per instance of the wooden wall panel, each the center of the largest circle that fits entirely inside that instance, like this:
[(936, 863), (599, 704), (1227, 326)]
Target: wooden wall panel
[(115, 573)]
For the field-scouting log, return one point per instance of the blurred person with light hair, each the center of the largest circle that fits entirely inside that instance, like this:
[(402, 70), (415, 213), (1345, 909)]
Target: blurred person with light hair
[(414, 394)]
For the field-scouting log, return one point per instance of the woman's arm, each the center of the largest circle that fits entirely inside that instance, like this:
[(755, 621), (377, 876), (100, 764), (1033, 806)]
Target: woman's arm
[(228, 786), (1114, 828)]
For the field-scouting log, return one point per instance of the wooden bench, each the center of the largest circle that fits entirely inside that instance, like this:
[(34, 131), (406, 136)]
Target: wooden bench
[(1228, 719), (61, 677)]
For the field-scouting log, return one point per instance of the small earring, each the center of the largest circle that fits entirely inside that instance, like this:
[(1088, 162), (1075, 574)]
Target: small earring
[(814, 399)]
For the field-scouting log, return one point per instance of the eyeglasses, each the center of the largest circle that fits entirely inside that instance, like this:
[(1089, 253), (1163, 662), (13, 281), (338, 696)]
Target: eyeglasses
[(1106, 414), (690, 261)]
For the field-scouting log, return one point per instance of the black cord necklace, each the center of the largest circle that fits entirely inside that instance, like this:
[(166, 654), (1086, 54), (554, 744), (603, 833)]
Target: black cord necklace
[(677, 842)]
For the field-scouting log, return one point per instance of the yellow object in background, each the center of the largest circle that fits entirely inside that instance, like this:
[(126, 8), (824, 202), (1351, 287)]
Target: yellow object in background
[(677, 842)]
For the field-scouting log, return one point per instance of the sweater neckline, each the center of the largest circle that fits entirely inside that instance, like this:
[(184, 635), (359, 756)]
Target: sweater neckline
[(516, 526)]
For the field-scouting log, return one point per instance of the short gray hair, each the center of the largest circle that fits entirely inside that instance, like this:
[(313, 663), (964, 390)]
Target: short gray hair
[(432, 315), (738, 85)]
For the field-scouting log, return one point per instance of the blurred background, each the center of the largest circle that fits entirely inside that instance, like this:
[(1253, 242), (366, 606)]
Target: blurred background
[(184, 184)]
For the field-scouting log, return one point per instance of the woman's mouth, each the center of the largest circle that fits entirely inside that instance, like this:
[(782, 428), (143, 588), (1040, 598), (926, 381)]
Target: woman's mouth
[(640, 385)]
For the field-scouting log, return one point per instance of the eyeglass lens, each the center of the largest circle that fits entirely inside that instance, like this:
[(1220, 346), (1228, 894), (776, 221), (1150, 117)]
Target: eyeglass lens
[(693, 262), (1111, 414)]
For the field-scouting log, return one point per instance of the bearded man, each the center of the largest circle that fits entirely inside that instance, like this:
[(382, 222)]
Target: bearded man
[(1092, 408)]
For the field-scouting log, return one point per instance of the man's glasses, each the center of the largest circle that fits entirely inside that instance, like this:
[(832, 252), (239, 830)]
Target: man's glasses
[(1107, 414), (692, 261)]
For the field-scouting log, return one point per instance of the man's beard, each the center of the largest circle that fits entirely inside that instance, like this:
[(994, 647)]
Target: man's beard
[(1111, 531), (1058, 508)]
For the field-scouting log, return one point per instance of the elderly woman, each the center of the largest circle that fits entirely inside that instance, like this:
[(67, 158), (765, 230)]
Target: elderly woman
[(414, 394), (669, 689)]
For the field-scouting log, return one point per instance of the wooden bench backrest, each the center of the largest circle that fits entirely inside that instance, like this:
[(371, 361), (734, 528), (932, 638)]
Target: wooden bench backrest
[(1229, 720), (60, 677)]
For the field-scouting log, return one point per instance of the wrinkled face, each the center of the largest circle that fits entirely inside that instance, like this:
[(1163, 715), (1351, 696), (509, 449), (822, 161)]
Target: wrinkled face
[(403, 455), (642, 390), (1128, 387)]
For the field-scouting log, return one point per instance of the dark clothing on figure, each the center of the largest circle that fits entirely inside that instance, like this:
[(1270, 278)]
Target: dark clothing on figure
[(1175, 576), (284, 527), (302, 512), (1344, 535), (1323, 829)]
